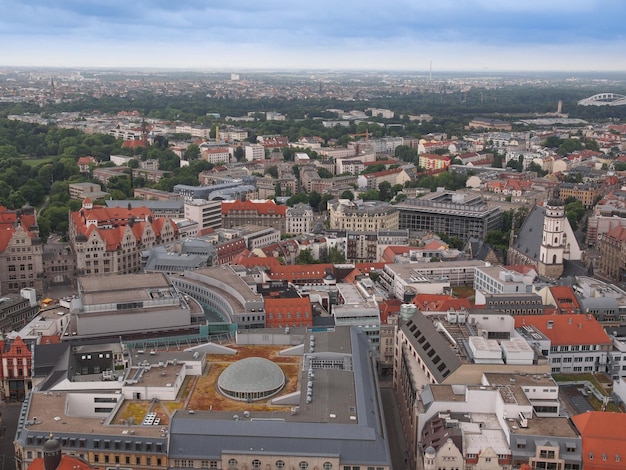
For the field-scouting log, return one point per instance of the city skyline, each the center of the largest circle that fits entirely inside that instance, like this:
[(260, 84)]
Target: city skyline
[(477, 35)]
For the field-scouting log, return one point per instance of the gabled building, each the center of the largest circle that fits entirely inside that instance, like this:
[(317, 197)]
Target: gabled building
[(110, 240), (15, 374), (603, 439), (21, 250), (85, 163)]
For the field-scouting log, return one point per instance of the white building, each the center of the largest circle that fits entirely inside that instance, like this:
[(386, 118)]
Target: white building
[(121, 160), (207, 214), (254, 152), (299, 219)]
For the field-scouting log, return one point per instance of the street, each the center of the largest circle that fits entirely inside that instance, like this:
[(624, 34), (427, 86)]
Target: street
[(10, 414), (395, 435)]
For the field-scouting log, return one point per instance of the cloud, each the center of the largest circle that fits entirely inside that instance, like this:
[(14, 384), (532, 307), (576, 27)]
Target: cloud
[(283, 32)]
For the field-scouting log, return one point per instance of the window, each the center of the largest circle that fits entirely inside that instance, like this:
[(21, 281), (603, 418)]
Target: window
[(327, 466), (256, 463), (280, 464), (303, 465), (232, 462)]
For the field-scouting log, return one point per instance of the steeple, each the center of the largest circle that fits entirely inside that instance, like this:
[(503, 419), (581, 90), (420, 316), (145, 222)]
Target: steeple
[(552, 250)]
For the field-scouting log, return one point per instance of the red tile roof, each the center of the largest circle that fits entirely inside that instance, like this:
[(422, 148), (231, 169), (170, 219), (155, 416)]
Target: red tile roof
[(68, 462), (565, 330), (604, 439), (8, 220), (440, 303), (300, 272), (565, 299), (388, 308), (131, 144), (390, 253), (265, 207), (367, 267), (294, 311), (112, 223)]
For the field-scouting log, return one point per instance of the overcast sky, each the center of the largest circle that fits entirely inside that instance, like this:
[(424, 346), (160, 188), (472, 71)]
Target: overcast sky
[(464, 35)]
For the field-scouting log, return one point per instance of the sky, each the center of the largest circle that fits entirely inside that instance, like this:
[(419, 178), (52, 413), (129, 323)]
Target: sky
[(234, 35)]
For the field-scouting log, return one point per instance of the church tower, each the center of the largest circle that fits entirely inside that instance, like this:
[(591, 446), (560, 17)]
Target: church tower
[(553, 238)]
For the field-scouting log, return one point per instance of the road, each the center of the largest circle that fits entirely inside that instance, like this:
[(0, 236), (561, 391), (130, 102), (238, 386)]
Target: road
[(395, 435), (10, 414)]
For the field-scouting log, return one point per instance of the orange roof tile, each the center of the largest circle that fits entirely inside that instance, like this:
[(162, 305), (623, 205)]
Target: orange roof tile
[(367, 267), (248, 261), (287, 305), (68, 462), (304, 271), (265, 207), (440, 303), (564, 330), (392, 251), (565, 298), (604, 439)]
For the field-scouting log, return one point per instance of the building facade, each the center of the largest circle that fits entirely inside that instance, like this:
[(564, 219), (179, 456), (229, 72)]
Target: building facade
[(457, 215), (362, 216), (262, 213), (110, 240), (21, 250)]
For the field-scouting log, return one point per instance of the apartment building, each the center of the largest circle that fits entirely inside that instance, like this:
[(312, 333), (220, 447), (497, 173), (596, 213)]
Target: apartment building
[(299, 219), (362, 216)]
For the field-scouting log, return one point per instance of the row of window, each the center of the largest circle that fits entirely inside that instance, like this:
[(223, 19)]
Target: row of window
[(586, 347), (149, 461), (288, 315)]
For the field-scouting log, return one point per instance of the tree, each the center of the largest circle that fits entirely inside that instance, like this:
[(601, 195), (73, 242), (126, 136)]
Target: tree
[(384, 189), (371, 195), (574, 211), (278, 190), (305, 257), (192, 152), (297, 199), (537, 169), (335, 256), (405, 153), (56, 218), (324, 173), (8, 151), (347, 194), (314, 201), (272, 171), (497, 161), (323, 205), (239, 154)]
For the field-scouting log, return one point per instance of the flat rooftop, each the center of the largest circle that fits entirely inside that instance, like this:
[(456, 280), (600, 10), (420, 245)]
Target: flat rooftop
[(135, 287), (49, 409), (557, 427)]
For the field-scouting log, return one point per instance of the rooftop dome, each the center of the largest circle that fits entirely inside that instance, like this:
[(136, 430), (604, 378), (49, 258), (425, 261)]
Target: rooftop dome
[(51, 445), (251, 379)]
